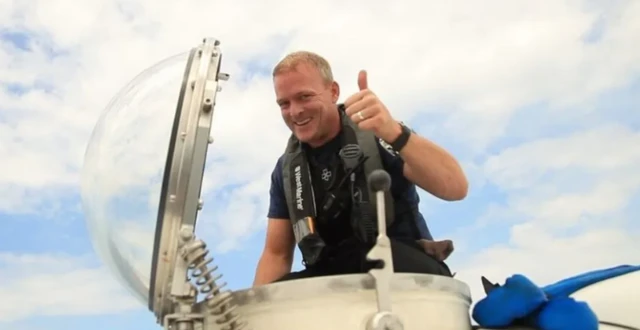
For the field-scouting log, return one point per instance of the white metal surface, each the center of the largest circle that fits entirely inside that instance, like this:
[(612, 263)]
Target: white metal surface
[(349, 301), (616, 300)]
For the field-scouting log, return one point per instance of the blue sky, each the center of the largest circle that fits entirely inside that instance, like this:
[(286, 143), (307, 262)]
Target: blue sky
[(537, 100)]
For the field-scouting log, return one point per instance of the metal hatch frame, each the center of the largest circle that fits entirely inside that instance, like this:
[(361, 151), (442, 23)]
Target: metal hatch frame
[(182, 182)]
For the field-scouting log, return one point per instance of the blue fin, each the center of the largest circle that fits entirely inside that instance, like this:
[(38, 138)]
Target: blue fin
[(566, 287), (564, 313), (504, 305), (487, 285)]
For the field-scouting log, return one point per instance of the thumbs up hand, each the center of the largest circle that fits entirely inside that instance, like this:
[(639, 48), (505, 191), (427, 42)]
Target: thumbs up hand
[(369, 113)]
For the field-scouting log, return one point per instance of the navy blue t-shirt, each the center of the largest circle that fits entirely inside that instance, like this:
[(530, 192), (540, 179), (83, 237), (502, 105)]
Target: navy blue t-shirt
[(401, 189)]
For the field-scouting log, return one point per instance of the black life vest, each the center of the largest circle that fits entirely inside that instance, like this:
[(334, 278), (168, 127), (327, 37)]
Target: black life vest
[(360, 156)]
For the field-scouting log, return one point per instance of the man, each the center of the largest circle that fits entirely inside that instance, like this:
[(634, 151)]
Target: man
[(332, 238)]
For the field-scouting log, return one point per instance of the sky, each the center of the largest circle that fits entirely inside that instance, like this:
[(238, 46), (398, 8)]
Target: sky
[(538, 100)]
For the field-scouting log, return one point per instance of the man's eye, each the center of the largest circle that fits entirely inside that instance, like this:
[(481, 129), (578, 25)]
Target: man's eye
[(305, 97)]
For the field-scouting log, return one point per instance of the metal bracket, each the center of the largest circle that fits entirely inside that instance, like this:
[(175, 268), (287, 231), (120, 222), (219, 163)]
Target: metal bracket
[(183, 293), (182, 269), (201, 277), (183, 322), (180, 199), (384, 319)]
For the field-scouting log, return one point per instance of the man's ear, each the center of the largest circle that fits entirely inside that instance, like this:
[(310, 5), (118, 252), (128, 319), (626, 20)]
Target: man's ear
[(335, 92)]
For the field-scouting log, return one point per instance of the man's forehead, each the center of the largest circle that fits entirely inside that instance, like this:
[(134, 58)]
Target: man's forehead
[(296, 80)]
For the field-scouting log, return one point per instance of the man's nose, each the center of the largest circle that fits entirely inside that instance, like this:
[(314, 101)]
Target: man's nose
[(296, 110)]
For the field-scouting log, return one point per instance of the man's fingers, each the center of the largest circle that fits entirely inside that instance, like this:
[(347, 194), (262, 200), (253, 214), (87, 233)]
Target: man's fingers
[(354, 108), (447, 243), (363, 86), (447, 248), (362, 80), (354, 98), (430, 249), (361, 101), (439, 249)]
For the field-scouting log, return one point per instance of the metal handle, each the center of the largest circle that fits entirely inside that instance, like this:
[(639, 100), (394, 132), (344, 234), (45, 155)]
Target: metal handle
[(384, 319)]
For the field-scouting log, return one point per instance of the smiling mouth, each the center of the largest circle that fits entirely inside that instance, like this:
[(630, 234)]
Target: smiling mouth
[(303, 122)]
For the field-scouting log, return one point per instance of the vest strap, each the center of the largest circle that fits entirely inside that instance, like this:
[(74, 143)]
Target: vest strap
[(368, 143), (302, 211)]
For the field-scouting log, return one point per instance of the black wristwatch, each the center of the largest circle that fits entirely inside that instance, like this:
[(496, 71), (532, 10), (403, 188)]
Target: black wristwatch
[(402, 140)]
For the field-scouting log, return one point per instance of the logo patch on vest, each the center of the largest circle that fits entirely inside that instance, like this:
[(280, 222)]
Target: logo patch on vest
[(298, 175), (326, 174), (387, 147)]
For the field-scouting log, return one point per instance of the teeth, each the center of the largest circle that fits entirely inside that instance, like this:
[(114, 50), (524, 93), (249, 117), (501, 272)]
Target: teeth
[(300, 123)]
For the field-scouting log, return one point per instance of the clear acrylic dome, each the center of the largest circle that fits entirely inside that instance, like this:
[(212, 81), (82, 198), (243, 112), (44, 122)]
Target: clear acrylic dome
[(123, 171)]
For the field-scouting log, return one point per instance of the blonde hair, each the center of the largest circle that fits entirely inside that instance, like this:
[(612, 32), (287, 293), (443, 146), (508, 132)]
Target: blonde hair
[(292, 60)]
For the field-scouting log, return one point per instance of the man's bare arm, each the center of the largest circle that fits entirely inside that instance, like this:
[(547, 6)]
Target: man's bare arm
[(277, 257), (433, 169)]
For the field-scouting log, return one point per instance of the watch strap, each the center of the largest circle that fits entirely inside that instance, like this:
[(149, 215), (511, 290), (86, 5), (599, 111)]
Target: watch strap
[(402, 140)]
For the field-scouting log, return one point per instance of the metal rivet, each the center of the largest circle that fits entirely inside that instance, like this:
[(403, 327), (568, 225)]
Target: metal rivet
[(207, 105)]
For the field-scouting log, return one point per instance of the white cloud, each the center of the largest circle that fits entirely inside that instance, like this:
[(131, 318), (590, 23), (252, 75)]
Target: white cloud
[(474, 64), (601, 150), (546, 257), (45, 285), (555, 230), (565, 180), (482, 66)]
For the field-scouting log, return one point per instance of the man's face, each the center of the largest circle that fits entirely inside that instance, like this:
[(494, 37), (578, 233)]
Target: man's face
[(308, 103)]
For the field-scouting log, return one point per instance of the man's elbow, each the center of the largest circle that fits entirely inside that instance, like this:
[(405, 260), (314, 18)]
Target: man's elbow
[(456, 195), (458, 189), (272, 265), (277, 257)]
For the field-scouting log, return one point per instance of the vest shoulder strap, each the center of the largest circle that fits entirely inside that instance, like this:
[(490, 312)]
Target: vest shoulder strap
[(296, 180), (368, 142)]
